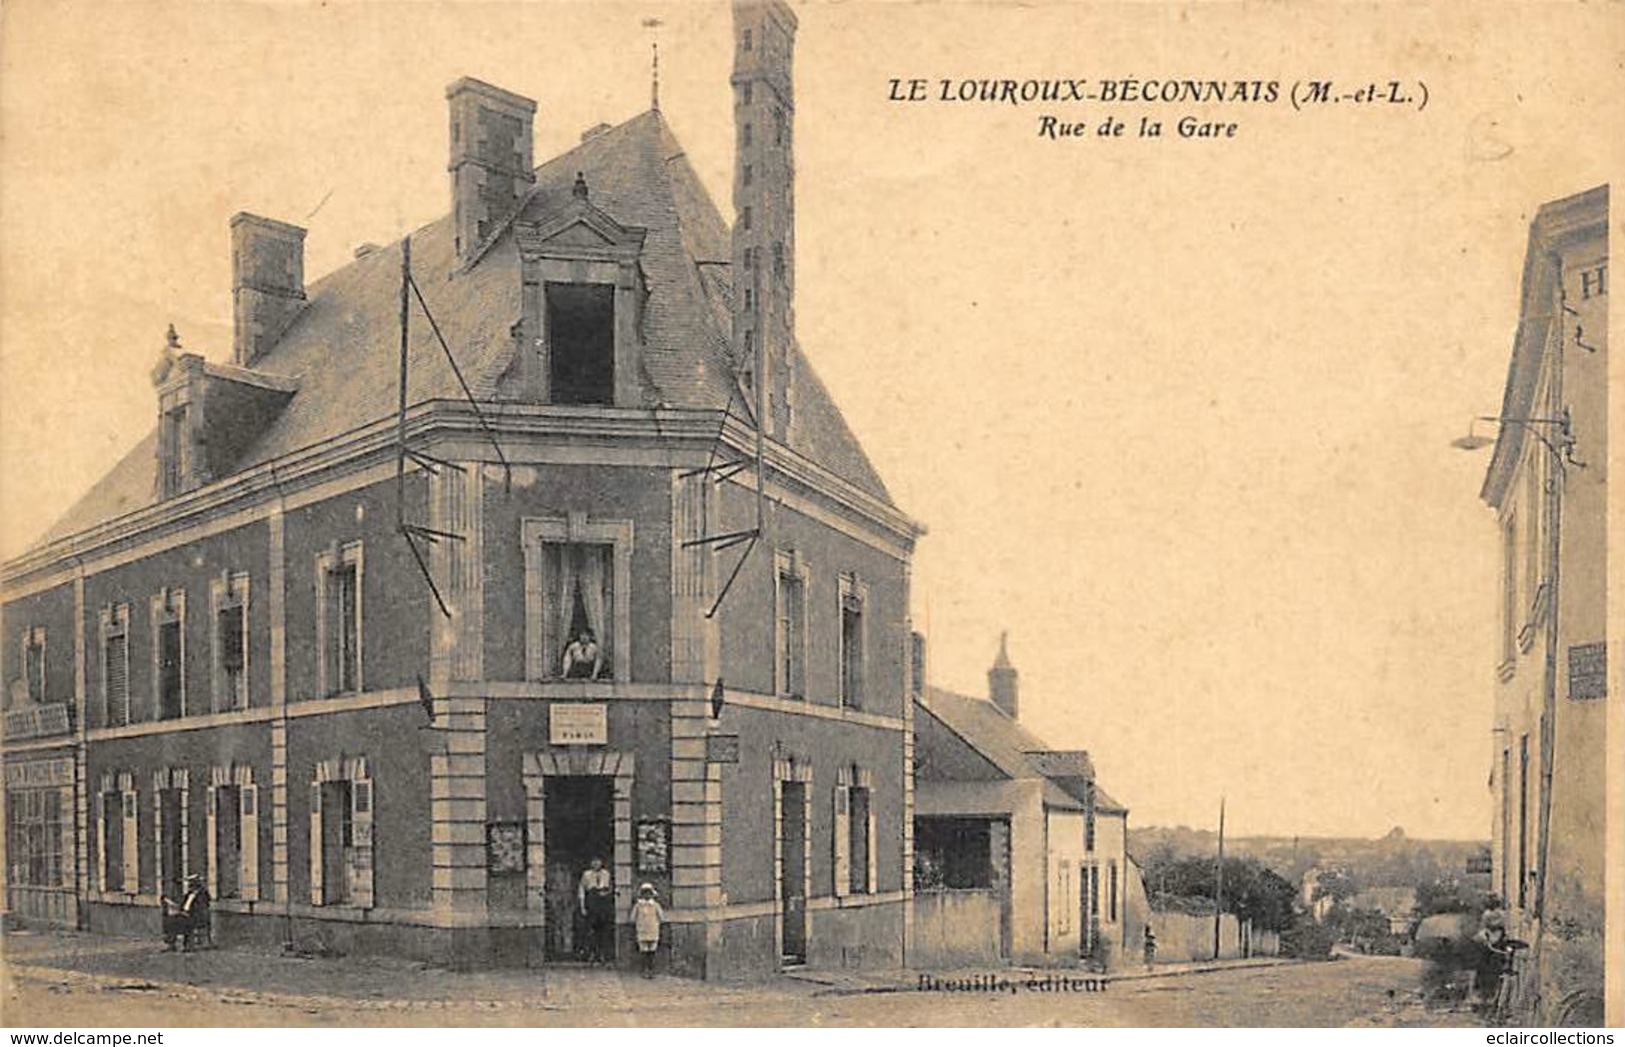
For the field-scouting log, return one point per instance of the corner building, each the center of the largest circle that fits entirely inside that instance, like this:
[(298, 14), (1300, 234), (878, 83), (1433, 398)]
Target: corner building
[(229, 659)]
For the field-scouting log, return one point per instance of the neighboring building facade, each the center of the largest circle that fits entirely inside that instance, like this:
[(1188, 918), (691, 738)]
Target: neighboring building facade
[(227, 660), (1019, 856), (1547, 482)]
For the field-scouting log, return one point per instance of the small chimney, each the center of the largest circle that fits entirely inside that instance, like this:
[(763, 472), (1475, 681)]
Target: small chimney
[(267, 283), (1002, 679), (491, 167)]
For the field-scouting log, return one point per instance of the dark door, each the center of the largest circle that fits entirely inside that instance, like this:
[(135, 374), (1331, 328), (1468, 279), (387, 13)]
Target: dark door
[(174, 874), (578, 827), (793, 872), (227, 837), (336, 842)]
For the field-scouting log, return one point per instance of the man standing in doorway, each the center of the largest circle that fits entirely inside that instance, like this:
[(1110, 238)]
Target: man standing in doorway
[(595, 894)]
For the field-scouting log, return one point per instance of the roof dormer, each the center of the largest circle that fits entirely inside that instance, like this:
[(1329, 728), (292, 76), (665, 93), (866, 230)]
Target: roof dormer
[(208, 414), (584, 294)]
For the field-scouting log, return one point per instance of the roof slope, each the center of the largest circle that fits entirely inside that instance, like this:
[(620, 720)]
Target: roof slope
[(343, 348), (1003, 741)]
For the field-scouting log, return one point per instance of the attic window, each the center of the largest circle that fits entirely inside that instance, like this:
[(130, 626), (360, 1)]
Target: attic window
[(581, 342), (173, 451)]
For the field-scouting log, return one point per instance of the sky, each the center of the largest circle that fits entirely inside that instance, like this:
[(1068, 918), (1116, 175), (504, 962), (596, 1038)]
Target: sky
[(1175, 412)]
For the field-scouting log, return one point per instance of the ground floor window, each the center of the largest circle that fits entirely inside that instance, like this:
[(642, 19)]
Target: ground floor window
[(233, 835), (854, 834), (117, 839), (341, 848), (34, 837), (953, 853)]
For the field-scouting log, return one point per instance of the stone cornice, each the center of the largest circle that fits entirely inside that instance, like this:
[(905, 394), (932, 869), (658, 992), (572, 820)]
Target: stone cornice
[(258, 487)]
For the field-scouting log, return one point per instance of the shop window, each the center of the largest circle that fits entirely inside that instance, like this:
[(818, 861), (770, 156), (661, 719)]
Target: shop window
[(581, 342), (34, 837)]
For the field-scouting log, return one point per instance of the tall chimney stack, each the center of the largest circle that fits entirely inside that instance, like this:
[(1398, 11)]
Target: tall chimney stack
[(267, 283), (491, 167), (764, 232), (1002, 679)]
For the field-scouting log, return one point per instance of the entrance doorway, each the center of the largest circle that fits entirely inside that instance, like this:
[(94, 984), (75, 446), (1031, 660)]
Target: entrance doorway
[(174, 855), (793, 872), (579, 826), (338, 837), (227, 840)]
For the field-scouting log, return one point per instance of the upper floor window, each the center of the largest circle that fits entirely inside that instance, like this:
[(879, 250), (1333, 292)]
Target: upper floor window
[(1509, 588), (745, 92), (745, 40), (338, 625), (780, 125), (578, 598), (747, 174), (168, 615), (745, 135), (778, 259), (229, 595), (790, 628), (581, 342), (853, 596), (34, 664), (115, 629)]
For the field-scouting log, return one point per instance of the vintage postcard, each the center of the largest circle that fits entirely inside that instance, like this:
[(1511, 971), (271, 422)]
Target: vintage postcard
[(774, 513)]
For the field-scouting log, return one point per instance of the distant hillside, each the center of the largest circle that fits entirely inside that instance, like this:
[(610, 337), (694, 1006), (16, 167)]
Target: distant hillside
[(1394, 860)]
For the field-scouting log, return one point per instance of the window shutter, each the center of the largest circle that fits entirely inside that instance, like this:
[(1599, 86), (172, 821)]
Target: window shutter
[(132, 845), (213, 844), (870, 829), (248, 851), (843, 841), (101, 841), (159, 882), (316, 843), (361, 829)]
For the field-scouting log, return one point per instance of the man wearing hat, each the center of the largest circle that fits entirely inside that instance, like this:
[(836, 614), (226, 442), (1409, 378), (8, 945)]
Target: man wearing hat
[(647, 917), (195, 910)]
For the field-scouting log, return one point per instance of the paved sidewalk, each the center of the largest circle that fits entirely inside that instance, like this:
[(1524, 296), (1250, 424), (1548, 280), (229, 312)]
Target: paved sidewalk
[(847, 983), (251, 976)]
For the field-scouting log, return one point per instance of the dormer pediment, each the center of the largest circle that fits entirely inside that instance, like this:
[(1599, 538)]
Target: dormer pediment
[(579, 231)]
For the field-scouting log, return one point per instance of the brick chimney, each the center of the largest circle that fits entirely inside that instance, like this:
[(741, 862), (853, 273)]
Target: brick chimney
[(1002, 679), (764, 232), (491, 167), (267, 283)]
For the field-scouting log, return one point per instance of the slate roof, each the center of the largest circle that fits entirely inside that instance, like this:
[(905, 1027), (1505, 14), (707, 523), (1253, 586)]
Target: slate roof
[(986, 728), (343, 347)]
